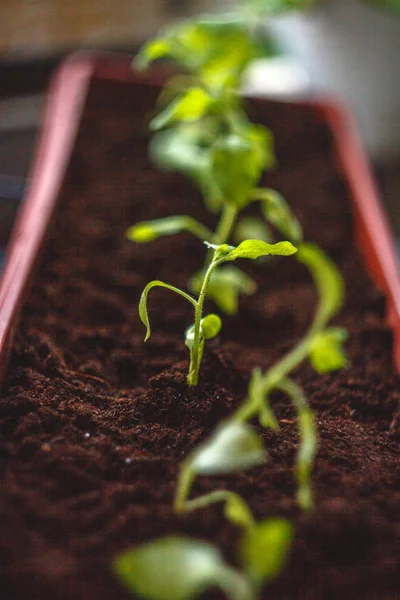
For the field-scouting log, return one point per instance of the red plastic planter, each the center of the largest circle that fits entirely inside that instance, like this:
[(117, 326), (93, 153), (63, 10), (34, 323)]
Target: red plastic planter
[(65, 103)]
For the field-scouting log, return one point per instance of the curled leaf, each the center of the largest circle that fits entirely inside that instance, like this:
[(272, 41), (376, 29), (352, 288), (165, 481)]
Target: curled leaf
[(147, 231), (264, 549), (232, 447), (328, 281), (144, 316), (326, 351), (178, 568)]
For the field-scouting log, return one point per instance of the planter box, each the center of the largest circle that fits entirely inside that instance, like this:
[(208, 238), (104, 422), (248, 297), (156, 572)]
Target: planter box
[(95, 424)]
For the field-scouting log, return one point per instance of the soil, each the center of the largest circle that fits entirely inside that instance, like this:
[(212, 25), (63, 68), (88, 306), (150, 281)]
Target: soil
[(94, 423)]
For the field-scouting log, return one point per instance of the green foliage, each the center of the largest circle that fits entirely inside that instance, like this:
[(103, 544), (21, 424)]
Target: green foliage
[(233, 446), (179, 568), (148, 231), (253, 249), (216, 49), (264, 549), (238, 159), (190, 106), (225, 286), (277, 212), (328, 281), (143, 302), (326, 352)]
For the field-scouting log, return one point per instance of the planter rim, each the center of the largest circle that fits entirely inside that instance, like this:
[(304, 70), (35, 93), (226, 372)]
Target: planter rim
[(64, 106)]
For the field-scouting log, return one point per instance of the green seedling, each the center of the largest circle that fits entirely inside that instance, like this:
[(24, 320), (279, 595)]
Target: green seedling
[(182, 568), (202, 130), (323, 346), (205, 328)]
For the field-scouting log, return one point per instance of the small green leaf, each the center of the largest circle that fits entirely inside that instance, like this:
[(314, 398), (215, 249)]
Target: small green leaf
[(237, 511), (147, 231), (178, 568), (191, 105), (264, 549), (326, 352), (211, 326), (232, 447), (328, 281), (151, 51), (252, 228), (144, 317), (238, 160), (253, 249), (225, 286), (277, 212)]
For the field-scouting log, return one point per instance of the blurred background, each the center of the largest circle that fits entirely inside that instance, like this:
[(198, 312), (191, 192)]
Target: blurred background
[(346, 49)]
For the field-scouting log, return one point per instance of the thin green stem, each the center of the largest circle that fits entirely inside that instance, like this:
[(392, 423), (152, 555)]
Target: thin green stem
[(308, 442), (196, 351), (185, 481), (223, 230)]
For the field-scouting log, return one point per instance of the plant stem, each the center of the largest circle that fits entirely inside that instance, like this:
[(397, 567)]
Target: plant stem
[(185, 480), (196, 352), (226, 223)]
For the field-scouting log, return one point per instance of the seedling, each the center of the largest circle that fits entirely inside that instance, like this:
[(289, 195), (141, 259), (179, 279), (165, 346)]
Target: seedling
[(182, 568), (205, 328), (203, 131)]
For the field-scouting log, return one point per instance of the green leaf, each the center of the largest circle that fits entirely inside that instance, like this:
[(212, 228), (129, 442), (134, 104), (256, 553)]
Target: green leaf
[(147, 231), (191, 105), (277, 212), (237, 511), (151, 51), (264, 549), (253, 249), (144, 317), (238, 160), (178, 568), (328, 281), (186, 148), (225, 286), (326, 352), (232, 447), (210, 326), (252, 228)]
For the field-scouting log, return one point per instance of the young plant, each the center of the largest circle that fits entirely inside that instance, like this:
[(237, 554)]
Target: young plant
[(182, 568), (323, 346), (205, 328), (203, 131)]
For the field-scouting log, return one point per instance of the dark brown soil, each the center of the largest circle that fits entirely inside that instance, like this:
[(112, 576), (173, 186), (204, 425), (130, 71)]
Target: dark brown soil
[(94, 423)]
